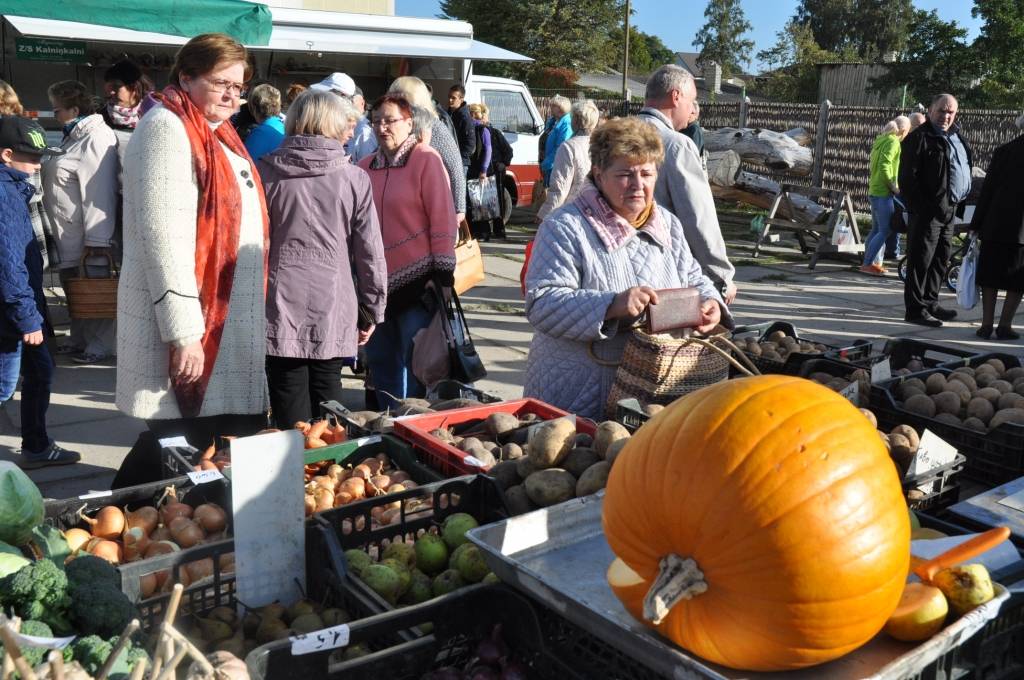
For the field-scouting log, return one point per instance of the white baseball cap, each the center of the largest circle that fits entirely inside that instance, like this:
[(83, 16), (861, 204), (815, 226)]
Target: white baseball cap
[(337, 81)]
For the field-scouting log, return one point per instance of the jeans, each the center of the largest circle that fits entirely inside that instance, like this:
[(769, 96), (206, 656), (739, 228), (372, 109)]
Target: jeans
[(389, 356), (35, 364), (297, 386), (881, 224), (92, 336)]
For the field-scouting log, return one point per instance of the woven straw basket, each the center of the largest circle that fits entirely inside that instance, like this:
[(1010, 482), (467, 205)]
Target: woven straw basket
[(92, 298)]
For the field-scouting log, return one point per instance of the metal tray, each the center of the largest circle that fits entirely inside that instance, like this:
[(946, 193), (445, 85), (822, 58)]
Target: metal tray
[(559, 555)]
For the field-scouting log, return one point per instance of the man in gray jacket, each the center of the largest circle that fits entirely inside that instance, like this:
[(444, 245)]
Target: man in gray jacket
[(682, 185)]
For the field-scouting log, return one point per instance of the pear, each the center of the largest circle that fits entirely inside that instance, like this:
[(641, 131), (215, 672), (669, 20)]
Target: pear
[(307, 623), (234, 644), (213, 630), (225, 614), (250, 622), (274, 610), (270, 629), (966, 587), (333, 616), (300, 608)]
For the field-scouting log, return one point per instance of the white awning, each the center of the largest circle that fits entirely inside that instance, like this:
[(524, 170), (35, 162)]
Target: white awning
[(310, 31)]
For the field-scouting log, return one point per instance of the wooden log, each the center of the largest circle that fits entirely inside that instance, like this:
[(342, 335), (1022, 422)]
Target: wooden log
[(800, 135), (759, 191), (723, 167), (773, 149)]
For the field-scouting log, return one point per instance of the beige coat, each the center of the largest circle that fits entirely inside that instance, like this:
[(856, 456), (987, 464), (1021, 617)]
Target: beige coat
[(572, 165), (80, 192)]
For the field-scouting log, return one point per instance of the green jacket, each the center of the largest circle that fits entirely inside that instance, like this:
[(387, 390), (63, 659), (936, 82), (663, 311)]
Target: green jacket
[(885, 165)]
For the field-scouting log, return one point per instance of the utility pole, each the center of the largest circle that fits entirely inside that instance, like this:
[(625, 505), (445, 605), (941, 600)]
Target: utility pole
[(625, 56)]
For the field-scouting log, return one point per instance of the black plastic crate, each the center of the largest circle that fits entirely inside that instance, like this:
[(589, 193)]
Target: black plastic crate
[(791, 366), (939, 486), (838, 369), (1009, 360), (931, 355), (550, 647), (630, 414), (993, 457), (477, 495)]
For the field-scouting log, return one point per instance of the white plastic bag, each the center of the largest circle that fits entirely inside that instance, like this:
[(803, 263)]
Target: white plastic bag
[(966, 284)]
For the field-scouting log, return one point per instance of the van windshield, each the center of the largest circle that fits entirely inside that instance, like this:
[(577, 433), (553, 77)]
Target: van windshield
[(508, 111)]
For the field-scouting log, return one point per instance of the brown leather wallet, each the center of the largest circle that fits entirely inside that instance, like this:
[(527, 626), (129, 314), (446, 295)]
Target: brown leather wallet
[(676, 308)]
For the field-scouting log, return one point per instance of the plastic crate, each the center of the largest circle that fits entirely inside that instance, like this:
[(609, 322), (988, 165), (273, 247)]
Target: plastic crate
[(1009, 360), (839, 369), (939, 485), (993, 457), (791, 366), (550, 647), (629, 413), (450, 460), (350, 526), (453, 389), (996, 652), (932, 355)]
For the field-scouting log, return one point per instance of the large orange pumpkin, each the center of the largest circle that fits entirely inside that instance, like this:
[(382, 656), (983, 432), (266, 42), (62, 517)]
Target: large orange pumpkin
[(784, 498)]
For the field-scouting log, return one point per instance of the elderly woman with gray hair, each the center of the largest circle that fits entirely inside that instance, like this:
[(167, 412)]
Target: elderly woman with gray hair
[(557, 129), (265, 106), (882, 187), (572, 160)]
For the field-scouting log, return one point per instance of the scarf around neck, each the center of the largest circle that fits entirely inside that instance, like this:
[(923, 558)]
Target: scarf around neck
[(218, 224), (613, 229), (381, 159), (124, 116)]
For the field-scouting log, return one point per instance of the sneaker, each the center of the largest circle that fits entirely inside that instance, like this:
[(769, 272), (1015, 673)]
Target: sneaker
[(871, 270), (89, 358), (69, 349), (53, 455)]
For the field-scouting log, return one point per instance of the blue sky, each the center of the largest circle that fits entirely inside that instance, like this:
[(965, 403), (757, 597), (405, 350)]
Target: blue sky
[(677, 22)]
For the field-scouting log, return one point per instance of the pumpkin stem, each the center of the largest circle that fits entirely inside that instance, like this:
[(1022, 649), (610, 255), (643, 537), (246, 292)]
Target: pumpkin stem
[(678, 579)]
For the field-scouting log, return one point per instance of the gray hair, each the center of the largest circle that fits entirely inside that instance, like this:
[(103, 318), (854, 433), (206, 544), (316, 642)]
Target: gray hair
[(585, 117), (561, 102), (315, 112), (422, 120), (667, 78), (415, 90), (264, 102), (939, 98), (895, 125)]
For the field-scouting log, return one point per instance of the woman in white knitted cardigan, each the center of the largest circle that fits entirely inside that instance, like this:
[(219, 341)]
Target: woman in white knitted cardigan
[(192, 331)]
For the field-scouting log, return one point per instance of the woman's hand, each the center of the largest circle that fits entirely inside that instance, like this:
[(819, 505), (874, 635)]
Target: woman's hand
[(730, 293), (187, 362), (631, 302), (710, 316), (364, 336)]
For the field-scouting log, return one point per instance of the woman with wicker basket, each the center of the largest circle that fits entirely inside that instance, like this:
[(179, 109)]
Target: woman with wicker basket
[(596, 265)]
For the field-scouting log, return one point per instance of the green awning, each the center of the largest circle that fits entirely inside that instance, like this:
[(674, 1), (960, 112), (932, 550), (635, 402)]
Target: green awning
[(246, 22)]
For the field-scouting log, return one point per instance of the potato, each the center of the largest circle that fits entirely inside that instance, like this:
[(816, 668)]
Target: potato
[(985, 368), (910, 434), (412, 407), (361, 418), (443, 434), (608, 432), (550, 486), (975, 424), (949, 419), (511, 451), (449, 404), (916, 382), (584, 439), (653, 409), (528, 418), (985, 378), (485, 457), (870, 416), (493, 447), (525, 467), (614, 449), (837, 384), (981, 409), (885, 440), (1001, 385), (469, 443), (920, 404), (1010, 400), (935, 383), (947, 402), (593, 479), (966, 379), (754, 349), (777, 336), (505, 474), (989, 393), (915, 365), (500, 423), (1013, 374), (552, 443), (906, 391), (579, 459), (960, 389), (998, 365), (517, 500), (901, 453), (1007, 415)]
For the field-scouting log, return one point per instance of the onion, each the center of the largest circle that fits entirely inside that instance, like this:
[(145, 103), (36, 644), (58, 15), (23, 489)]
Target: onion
[(211, 517), (200, 569), (355, 486), (324, 482), (226, 559), (145, 517), (310, 505), (108, 550), (335, 472), (384, 459), (76, 538), (396, 488), (324, 499), (135, 543), (147, 585), (390, 515), (161, 548), (183, 579), (379, 484), (399, 476), (343, 498), (173, 510), (109, 522), (186, 533), (161, 533), (362, 471)]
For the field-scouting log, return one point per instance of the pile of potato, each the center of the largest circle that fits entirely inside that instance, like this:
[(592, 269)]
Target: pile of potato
[(838, 384), (383, 421), (778, 346), (980, 399), (902, 442)]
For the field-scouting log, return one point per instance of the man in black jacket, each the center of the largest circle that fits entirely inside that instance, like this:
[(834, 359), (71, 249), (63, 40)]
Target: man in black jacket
[(934, 181), (465, 132)]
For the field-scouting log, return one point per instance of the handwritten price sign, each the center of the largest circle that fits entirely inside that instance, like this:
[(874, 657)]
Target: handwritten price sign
[(328, 638)]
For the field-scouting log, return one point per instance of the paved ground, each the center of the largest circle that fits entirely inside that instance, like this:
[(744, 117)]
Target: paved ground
[(831, 304)]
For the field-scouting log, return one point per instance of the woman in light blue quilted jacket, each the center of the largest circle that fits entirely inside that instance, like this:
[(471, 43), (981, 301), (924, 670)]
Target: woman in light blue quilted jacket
[(597, 263)]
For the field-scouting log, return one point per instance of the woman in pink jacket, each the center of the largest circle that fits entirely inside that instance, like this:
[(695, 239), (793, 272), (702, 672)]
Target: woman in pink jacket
[(417, 220)]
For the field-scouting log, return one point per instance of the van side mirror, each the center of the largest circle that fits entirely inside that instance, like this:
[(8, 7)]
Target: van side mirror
[(538, 129)]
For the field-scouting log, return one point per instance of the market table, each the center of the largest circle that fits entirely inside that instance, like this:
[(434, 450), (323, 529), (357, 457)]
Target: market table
[(986, 509)]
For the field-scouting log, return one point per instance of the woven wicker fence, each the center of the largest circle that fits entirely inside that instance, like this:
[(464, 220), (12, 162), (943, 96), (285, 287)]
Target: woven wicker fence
[(781, 117)]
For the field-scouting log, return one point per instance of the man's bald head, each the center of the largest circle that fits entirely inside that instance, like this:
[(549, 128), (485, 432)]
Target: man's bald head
[(942, 111)]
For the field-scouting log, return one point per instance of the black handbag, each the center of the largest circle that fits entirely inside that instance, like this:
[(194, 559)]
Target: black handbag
[(466, 364)]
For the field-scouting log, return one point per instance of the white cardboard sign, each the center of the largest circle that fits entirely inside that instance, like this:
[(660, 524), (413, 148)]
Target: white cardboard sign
[(932, 452), (881, 371), (852, 392), (328, 638), (204, 476)]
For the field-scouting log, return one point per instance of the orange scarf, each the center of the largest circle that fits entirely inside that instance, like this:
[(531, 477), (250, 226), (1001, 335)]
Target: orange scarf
[(218, 223), (641, 220)]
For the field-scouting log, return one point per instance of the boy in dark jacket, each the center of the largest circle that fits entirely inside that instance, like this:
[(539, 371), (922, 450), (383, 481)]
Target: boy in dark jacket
[(23, 319)]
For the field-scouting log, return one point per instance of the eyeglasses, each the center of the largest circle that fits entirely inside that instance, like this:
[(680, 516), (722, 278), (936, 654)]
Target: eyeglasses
[(222, 86), (386, 123)]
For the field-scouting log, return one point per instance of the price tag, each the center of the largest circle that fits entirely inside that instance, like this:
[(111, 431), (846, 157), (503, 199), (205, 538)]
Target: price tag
[(43, 642), (177, 442), (852, 392), (95, 494), (205, 476), (881, 371), (328, 638), (932, 452)]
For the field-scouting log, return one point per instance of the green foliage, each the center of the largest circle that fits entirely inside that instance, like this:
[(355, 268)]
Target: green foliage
[(51, 543), (38, 591), (867, 29), (998, 49), (646, 52), (721, 37), (793, 75)]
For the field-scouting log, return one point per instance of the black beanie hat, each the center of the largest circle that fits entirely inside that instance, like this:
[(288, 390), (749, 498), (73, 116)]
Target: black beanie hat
[(124, 71)]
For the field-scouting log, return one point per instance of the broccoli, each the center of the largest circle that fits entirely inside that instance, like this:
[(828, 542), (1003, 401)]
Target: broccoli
[(91, 570), (35, 655), (38, 591), (97, 608), (91, 651)]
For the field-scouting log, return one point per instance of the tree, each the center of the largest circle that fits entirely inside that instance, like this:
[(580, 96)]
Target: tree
[(936, 59), (721, 39), (997, 49), (873, 29), (792, 64), (646, 52), (569, 34)]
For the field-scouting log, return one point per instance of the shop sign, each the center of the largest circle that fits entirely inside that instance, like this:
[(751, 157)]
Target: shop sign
[(45, 49)]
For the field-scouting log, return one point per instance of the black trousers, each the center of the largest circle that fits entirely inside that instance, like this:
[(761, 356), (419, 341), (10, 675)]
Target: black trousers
[(143, 464), (928, 249), (297, 386)]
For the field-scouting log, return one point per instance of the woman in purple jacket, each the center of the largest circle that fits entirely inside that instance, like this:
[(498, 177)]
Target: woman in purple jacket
[(328, 280)]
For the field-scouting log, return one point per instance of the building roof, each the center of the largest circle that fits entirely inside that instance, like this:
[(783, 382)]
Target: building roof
[(688, 60), (611, 82)]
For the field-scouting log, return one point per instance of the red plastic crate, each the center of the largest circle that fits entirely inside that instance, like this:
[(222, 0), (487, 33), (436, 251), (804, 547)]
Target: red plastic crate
[(451, 461)]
